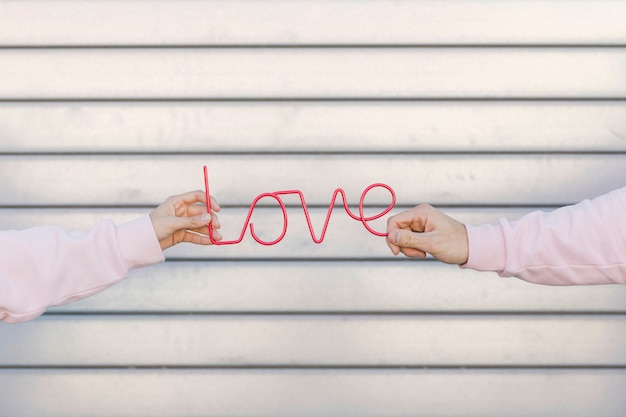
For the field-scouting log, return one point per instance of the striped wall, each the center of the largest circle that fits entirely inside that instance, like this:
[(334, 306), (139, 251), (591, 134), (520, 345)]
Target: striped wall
[(485, 109)]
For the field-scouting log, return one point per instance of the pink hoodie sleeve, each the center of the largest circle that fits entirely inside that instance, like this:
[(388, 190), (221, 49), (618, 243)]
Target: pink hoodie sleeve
[(47, 266), (580, 244)]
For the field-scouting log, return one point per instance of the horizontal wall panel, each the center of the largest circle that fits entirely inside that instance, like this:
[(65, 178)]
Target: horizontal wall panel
[(335, 287), (310, 22), (416, 392), (313, 127), (231, 73), (316, 341), (438, 179)]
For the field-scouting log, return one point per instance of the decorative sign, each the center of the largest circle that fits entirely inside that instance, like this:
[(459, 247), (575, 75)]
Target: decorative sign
[(276, 196)]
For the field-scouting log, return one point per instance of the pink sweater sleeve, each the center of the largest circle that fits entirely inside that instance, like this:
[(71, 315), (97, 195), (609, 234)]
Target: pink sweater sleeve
[(580, 244), (47, 266)]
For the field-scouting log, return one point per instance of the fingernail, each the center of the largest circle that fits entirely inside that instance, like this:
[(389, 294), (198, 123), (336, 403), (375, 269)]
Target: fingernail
[(394, 236), (205, 218)]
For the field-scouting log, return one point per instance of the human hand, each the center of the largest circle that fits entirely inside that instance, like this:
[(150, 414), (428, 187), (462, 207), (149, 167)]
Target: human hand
[(181, 218), (424, 229)]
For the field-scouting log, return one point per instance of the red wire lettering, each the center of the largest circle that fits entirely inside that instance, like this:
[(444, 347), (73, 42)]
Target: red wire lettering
[(276, 196)]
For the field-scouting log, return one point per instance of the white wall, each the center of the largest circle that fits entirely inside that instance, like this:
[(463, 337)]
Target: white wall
[(485, 109)]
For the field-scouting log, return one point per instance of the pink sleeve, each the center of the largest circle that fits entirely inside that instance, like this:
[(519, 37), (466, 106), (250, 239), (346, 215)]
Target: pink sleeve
[(580, 244), (46, 266)]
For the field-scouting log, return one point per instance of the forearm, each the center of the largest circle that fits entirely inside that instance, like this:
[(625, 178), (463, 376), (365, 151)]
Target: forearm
[(47, 266), (580, 244)]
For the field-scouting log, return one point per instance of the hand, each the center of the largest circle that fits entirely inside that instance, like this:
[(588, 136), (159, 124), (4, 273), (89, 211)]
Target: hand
[(181, 218), (424, 229)]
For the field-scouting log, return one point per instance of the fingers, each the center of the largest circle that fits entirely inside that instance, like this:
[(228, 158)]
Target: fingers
[(196, 214), (214, 204), (393, 241), (200, 238), (193, 197), (199, 223), (205, 218), (406, 219), (198, 196), (415, 220), (184, 218)]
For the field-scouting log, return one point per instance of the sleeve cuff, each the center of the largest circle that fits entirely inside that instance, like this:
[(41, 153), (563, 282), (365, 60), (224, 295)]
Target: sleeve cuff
[(486, 248), (138, 242)]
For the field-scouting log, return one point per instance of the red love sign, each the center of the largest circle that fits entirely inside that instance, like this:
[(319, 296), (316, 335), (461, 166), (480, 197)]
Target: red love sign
[(276, 196)]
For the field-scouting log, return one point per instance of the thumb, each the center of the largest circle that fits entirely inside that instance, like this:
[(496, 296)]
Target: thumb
[(404, 238), (194, 222), (411, 244)]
